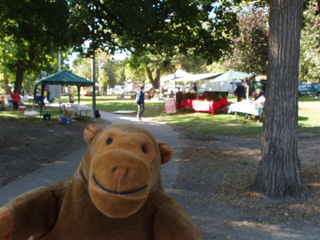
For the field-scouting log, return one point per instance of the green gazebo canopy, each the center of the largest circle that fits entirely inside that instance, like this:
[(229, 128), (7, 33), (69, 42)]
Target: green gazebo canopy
[(65, 78)]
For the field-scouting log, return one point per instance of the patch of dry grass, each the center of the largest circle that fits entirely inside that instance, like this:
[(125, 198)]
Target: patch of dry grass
[(227, 175)]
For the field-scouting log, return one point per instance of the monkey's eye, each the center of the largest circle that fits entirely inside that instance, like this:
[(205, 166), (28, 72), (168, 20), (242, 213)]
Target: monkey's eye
[(144, 148), (109, 140)]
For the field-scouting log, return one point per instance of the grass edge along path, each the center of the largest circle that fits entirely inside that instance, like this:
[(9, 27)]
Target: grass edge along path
[(200, 125)]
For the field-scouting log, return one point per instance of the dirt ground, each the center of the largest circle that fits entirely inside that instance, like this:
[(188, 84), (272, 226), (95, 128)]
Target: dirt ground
[(212, 182), (213, 187), (29, 145)]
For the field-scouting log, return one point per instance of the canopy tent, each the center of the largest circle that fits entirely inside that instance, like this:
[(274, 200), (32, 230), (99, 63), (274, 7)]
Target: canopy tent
[(65, 78), (221, 83), (177, 76), (182, 76), (202, 76), (9, 85)]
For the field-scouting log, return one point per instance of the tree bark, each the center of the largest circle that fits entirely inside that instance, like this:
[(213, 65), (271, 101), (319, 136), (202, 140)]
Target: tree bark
[(19, 76), (154, 81), (279, 173)]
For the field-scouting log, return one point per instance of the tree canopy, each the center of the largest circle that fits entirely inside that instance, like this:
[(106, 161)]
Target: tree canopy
[(32, 30), (158, 26), (310, 50), (250, 49)]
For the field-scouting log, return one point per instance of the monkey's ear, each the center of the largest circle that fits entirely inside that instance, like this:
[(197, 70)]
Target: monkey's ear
[(165, 152), (90, 132)]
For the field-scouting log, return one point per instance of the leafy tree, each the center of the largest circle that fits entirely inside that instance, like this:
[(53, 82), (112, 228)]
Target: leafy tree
[(250, 49), (109, 69), (310, 49), (5, 53), (148, 66), (103, 80), (35, 29), (153, 65), (279, 173), (106, 69), (82, 67), (157, 28)]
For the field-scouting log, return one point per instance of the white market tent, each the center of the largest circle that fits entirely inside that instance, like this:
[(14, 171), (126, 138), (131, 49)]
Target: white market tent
[(221, 83), (177, 76), (215, 82), (182, 76)]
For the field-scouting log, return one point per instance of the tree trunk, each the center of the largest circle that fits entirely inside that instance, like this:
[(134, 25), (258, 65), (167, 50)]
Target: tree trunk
[(19, 76), (154, 81), (279, 173)]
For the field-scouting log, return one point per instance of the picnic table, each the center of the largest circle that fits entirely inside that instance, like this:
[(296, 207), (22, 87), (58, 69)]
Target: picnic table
[(247, 107), (79, 109)]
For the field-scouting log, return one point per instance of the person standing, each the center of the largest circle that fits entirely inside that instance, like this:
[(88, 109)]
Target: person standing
[(178, 99), (15, 100), (140, 102), (194, 87), (240, 92)]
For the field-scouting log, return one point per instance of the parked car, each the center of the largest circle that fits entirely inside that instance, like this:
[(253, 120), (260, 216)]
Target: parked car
[(308, 90), (317, 85)]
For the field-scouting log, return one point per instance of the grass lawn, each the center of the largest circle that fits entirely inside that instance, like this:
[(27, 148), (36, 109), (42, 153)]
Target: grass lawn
[(202, 124)]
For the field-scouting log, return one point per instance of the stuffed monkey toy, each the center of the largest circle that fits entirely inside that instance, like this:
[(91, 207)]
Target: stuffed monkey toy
[(115, 193)]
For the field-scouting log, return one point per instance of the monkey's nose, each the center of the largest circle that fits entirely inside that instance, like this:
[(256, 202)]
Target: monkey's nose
[(120, 172)]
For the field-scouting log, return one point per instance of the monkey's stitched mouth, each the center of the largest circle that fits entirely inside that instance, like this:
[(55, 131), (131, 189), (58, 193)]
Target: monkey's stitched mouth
[(116, 192)]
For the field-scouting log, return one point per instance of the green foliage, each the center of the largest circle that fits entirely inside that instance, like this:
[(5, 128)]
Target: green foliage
[(188, 95), (250, 49), (33, 30), (157, 26), (191, 64), (108, 70), (103, 79), (82, 67), (309, 47)]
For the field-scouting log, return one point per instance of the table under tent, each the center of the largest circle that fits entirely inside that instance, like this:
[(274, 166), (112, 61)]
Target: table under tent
[(65, 78)]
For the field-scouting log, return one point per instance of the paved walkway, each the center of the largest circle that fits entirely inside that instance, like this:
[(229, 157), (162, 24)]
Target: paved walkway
[(65, 167)]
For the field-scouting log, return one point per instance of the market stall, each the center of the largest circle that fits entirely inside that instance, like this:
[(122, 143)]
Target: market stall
[(247, 107), (201, 105), (64, 78), (181, 76)]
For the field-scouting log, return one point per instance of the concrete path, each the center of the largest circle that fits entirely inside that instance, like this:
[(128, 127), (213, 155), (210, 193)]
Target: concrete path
[(65, 167)]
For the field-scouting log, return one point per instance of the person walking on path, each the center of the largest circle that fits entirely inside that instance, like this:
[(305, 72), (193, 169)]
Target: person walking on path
[(140, 102), (240, 92), (15, 100)]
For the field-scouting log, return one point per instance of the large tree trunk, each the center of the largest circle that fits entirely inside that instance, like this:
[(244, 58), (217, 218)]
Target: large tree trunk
[(19, 76), (279, 173), (154, 81)]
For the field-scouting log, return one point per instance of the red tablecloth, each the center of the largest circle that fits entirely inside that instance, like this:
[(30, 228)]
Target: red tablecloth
[(204, 106)]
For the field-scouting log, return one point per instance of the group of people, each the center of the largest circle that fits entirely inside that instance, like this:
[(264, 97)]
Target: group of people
[(258, 96), (14, 99), (241, 90)]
